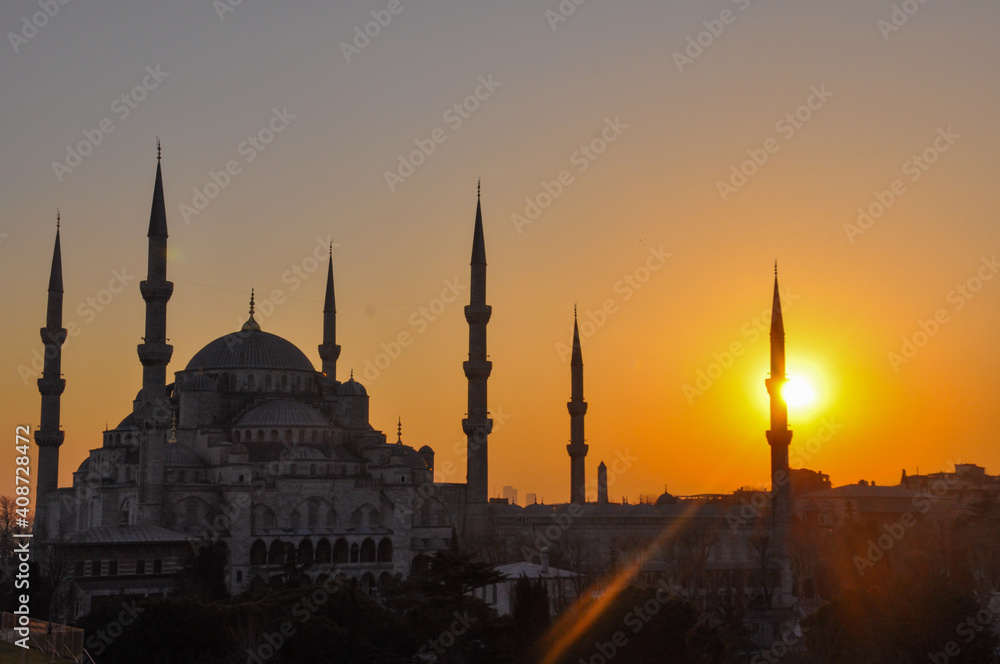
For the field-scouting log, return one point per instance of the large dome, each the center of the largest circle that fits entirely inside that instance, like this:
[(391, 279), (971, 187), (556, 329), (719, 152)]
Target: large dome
[(250, 349)]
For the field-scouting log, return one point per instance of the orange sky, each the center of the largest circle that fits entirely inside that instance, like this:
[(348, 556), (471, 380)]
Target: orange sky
[(879, 99)]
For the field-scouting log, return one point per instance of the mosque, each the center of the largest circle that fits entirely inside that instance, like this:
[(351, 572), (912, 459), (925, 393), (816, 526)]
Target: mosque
[(252, 448)]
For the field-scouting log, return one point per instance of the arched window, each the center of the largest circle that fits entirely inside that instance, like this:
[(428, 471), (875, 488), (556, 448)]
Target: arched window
[(385, 551), (267, 382), (305, 552), (251, 383), (368, 550), (258, 553), (323, 552), (312, 514), (367, 582), (276, 554), (340, 551)]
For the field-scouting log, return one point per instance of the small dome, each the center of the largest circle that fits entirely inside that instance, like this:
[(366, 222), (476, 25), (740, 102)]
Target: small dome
[(426, 449), (352, 388), (200, 382), (85, 466), (176, 454), (238, 448), (666, 499), (250, 349), (128, 424), (283, 413)]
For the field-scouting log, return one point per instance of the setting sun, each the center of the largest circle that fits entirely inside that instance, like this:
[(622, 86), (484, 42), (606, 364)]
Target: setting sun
[(798, 392)]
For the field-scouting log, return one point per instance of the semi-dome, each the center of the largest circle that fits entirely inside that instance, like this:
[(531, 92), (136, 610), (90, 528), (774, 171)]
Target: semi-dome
[(250, 349), (352, 388), (176, 454), (283, 413)]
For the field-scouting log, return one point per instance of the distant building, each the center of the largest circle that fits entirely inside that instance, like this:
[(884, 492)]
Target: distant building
[(510, 493), (530, 499)]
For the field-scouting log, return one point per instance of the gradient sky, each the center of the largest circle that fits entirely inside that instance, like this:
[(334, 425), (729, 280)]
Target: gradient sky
[(888, 95)]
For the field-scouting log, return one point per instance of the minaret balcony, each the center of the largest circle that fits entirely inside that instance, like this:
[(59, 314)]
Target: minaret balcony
[(477, 369), (478, 314), (156, 291), (51, 386), (153, 353), (53, 336)]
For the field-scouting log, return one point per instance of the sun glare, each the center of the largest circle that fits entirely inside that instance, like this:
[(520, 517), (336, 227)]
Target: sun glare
[(798, 392)]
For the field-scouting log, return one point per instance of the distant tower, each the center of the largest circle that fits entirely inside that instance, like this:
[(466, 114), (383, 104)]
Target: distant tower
[(477, 425), (329, 351), (48, 436), (779, 437), (602, 484), (577, 409), (152, 408)]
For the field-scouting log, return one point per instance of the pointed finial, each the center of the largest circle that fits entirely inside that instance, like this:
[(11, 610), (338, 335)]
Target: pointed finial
[(775, 267), (399, 431), (251, 324), (331, 248), (574, 311), (157, 149), (58, 219), (479, 184), (352, 374)]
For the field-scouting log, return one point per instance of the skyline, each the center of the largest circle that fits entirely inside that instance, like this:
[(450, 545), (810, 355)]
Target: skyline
[(850, 297)]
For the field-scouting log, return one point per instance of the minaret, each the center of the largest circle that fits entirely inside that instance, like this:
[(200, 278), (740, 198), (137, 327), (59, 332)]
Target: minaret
[(329, 351), (152, 408), (602, 484), (48, 436), (779, 437), (477, 425), (577, 447)]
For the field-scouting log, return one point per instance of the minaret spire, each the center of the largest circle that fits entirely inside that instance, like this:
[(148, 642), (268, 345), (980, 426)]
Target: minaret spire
[(329, 351), (152, 407), (49, 436), (779, 436), (577, 447), (477, 425)]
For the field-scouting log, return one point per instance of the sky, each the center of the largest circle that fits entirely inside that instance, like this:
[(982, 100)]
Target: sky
[(647, 162)]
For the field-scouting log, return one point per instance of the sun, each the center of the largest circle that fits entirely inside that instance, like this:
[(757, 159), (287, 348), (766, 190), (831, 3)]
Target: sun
[(798, 392)]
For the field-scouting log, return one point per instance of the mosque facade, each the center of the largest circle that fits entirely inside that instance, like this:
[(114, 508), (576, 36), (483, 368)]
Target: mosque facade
[(253, 449)]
